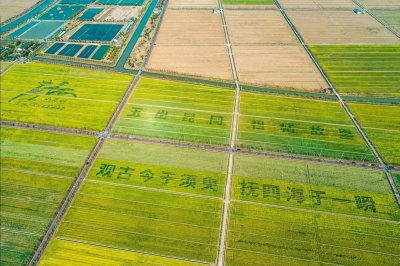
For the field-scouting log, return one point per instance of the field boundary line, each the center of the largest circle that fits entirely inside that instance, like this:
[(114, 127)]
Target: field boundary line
[(273, 154), (9, 66), (316, 211), (159, 190), (35, 173), (84, 171), (368, 143), (222, 245), (128, 250), (382, 22), (50, 129)]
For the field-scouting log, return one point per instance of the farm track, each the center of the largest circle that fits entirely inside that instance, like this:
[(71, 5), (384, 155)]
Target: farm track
[(190, 145), (344, 106), (364, 9), (234, 130), (86, 168)]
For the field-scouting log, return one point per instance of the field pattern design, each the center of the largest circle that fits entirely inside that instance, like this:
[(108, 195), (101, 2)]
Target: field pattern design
[(121, 205), (298, 125), (37, 170), (178, 111), (41, 94)]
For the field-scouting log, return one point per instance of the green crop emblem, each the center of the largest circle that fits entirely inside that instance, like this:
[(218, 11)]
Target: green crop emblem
[(47, 88)]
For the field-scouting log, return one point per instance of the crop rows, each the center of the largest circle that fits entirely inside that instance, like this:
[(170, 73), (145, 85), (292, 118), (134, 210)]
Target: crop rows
[(261, 235), (178, 111), (37, 170), (42, 94), (298, 125), (142, 198)]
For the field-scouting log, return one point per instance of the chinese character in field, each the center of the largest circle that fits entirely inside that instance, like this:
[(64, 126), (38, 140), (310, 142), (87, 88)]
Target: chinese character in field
[(166, 177), (249, 188), (47, 88), (317, 130), (135, 112), (271, 191), (210, 183), (288, 127), (162, 114), (106, 170), (188, 117), (365, 203), (125, 172), (258, 124), (216, 120), (317, 196), (147, 175), (345, 133), (188, 181), (296, 194)]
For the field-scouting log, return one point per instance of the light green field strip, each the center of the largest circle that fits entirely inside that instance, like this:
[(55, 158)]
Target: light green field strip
[(382, 125), (391, 17), (362, 70), (68, 253), (178, 111), (4, 64), (260, 235), (298, 125), (37, 169), (153, 222), (317, 186), (43, 93), (162, 167), (248, 2)]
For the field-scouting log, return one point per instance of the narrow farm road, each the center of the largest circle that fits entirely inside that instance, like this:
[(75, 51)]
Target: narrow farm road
[(235, 117), (344, 106)]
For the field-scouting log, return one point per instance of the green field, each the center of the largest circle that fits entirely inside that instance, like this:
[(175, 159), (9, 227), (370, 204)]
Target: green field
[(261, 235), (362, 70), (159, 223), (382, 125), (248, 2), (37, 170), (161, 166), (396, 176), (66, 253), (318, 186), (298, 125), (4, 64), (152, 198), (391, 17), (43, 93), (178, 111)]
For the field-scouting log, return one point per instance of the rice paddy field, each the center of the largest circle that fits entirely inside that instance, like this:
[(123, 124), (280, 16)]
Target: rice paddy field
[(130, 216), (178, 111), (37, 170), (310, 185), (371, 71), (382, 124), (41, 93), (298, 125), (152, 166), (227, 147), (288, 212), (270, 235)]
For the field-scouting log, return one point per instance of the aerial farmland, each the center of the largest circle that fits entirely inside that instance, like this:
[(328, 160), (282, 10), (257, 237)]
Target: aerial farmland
[(200, 132)]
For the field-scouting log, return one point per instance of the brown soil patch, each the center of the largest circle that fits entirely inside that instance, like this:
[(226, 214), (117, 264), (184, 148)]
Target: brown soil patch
[(277, 66)]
